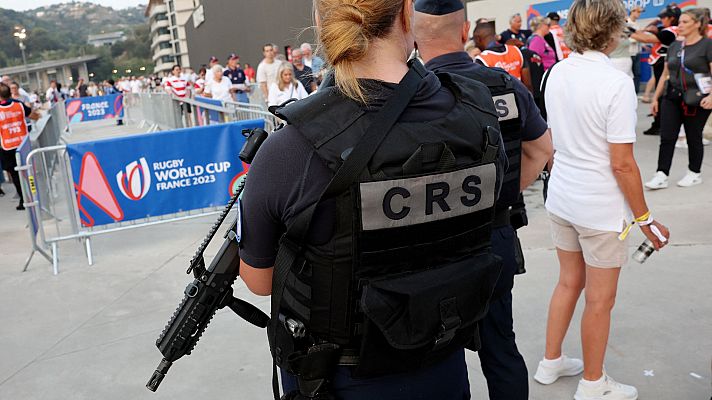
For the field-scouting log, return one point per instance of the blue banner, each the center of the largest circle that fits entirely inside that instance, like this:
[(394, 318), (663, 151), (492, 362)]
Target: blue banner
[(213, 116), (135, 177), (95, 108), (651, 8)]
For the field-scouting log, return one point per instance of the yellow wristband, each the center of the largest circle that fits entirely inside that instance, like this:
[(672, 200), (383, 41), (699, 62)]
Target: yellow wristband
[(626, 231), (643, 217)]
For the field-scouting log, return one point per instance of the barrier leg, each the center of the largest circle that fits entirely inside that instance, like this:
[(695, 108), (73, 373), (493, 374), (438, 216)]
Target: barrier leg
[(36, 250), (55, 259), (27, 263), (90, 258)]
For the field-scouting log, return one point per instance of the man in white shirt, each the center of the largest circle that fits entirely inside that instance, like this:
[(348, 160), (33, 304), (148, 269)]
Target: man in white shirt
[(177, 86), (635, 47), (267, 70), (135, 85), (125, 85), (52, 95)]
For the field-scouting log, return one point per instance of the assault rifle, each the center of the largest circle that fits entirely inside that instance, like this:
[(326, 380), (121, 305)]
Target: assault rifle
[(211, 289)]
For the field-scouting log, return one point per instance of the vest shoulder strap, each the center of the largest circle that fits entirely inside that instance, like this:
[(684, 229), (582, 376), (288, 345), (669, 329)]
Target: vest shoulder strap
[(314, 115)]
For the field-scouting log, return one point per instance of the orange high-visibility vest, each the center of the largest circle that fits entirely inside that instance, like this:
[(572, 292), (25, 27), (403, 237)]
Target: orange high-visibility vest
[(13, 127), (660, 50), (511, 60)]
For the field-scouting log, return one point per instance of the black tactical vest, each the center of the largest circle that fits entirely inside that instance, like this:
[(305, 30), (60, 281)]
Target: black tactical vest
[(501, 84), (408, 270)]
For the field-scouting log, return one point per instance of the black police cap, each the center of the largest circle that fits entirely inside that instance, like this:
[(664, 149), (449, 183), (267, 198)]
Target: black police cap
[(438, 7)]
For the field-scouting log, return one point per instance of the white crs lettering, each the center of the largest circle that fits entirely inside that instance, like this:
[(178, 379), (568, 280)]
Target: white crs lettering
[(404, 202), (435, 193)]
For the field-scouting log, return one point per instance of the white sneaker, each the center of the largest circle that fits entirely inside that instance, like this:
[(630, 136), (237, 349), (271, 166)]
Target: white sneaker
[(551, 370), (706, 142), (681, 144), (659, 181), (690, 179), (606, 389)]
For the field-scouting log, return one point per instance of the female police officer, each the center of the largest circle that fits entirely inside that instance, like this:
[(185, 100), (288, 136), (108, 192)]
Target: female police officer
[(367, 217)]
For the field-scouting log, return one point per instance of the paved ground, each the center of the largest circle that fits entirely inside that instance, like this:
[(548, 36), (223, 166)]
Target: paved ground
[(89, 332)]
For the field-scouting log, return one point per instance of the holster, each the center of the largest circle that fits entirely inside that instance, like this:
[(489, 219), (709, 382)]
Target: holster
[(313, 368)]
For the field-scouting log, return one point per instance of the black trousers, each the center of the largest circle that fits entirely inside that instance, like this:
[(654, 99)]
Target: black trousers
[(502, 364), (658, 69), (8, 164), (673, 115)]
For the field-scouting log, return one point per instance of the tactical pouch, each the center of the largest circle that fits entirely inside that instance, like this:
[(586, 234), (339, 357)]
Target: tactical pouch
[(416, 319)]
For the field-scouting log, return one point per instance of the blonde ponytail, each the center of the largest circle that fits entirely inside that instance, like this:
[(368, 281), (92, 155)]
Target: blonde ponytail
[(347, 29)]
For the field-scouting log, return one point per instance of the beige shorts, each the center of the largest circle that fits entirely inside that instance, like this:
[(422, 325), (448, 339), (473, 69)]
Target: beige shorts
[(600, 249)]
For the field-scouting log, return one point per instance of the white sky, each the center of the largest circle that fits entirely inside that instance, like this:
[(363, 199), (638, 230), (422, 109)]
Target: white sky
[(21, 5)]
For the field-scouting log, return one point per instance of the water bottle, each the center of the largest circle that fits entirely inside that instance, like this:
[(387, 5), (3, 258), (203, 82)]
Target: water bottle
[(644, 251)]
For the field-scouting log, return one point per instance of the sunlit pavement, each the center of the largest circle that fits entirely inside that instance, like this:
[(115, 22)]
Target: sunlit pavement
[(89, 332)]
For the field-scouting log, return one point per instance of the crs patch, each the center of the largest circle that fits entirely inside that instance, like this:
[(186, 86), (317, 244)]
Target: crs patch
[(506, 107), (404, 202)]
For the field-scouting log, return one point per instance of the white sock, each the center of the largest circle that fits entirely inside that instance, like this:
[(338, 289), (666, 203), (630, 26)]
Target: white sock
[(555, 363), (594, 383)]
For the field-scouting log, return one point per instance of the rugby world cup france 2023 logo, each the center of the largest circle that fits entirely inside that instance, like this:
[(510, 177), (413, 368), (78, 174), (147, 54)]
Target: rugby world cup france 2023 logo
[(135, 181)]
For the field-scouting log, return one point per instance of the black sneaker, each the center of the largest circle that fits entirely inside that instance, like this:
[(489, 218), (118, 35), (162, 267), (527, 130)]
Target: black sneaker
[(2, 193), (20, 207), (653, 131)]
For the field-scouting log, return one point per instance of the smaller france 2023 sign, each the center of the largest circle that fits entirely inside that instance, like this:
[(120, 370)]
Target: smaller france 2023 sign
[(95, 108)]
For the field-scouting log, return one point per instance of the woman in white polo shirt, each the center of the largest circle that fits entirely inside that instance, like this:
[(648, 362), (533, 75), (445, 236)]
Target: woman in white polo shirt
[(595, 184), (217, 86)]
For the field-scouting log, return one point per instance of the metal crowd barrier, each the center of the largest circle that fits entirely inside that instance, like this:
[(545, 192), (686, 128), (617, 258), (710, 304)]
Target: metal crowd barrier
[(153, 111), (65, 223), (161, 111), (47, 182), (53, 209), (39, 189)]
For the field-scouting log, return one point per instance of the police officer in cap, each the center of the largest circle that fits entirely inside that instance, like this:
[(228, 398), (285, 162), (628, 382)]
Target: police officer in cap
[(441, 31), (368, 217)]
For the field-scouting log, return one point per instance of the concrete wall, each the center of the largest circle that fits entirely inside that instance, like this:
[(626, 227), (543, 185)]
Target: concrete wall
[(243, 27)]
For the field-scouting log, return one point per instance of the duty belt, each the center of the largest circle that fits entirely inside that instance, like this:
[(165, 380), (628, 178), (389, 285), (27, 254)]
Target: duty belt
[(501, 218)]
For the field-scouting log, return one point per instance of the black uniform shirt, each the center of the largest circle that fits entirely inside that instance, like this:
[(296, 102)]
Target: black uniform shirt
[(287, 175), (460, 63), (665, 36), (236, 76), (522, 35)]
